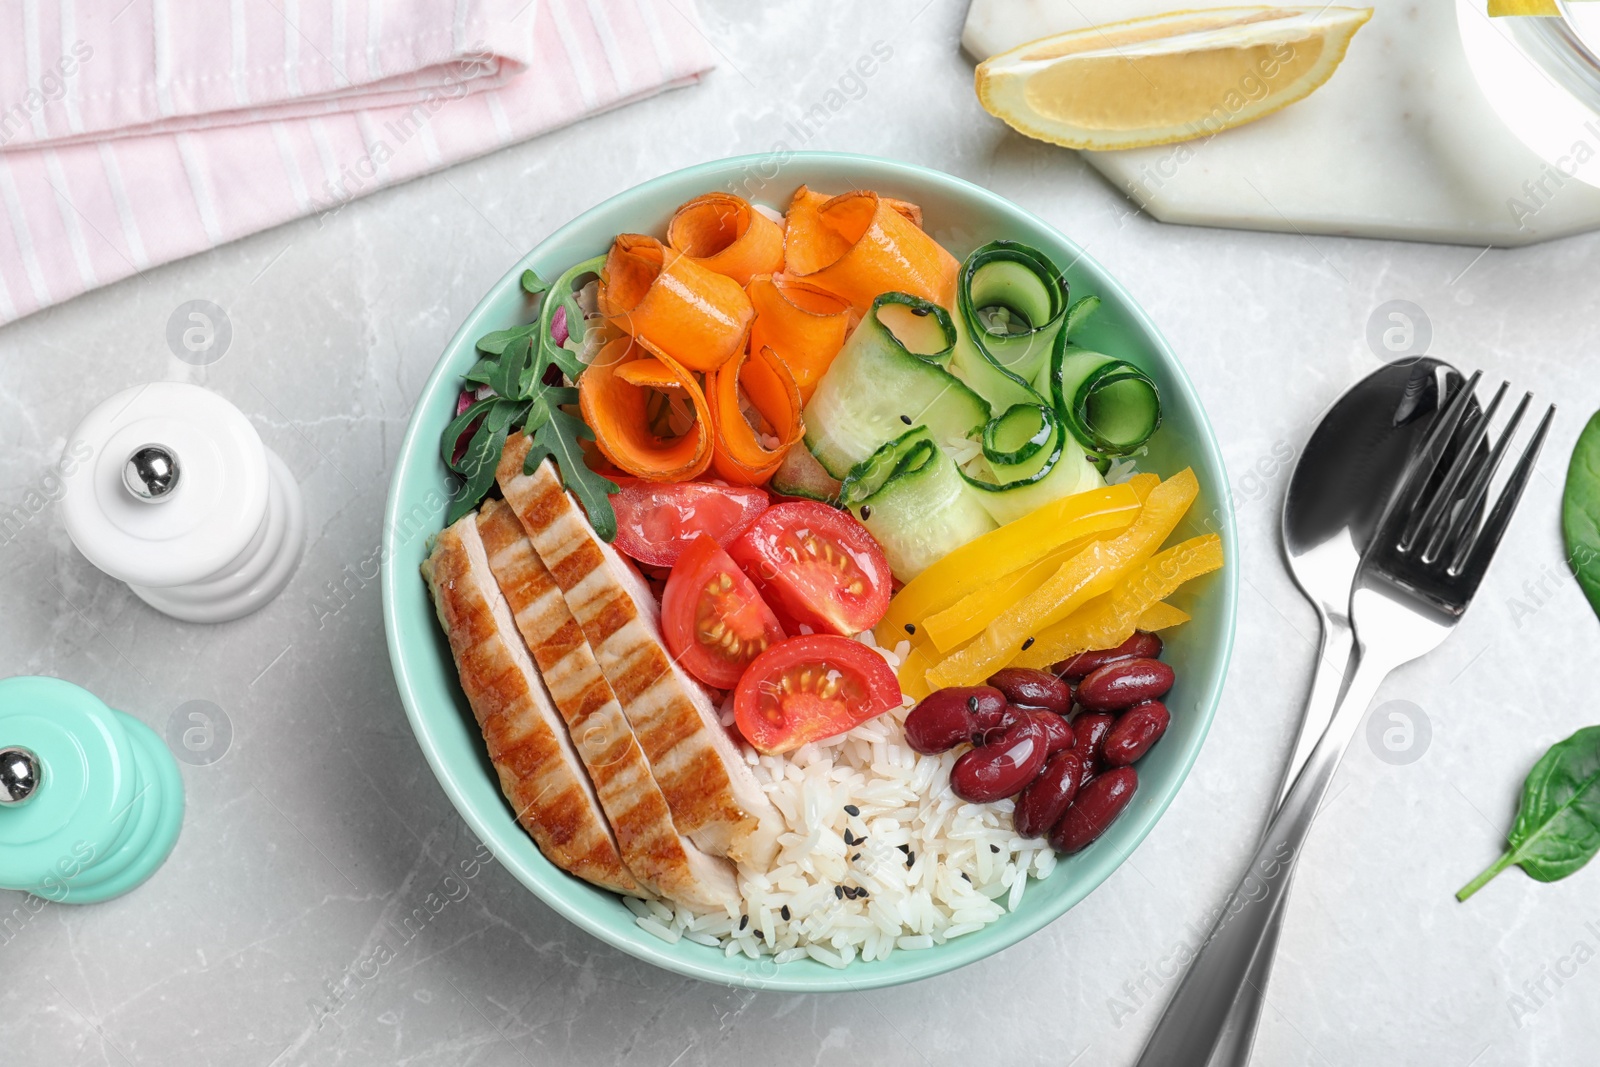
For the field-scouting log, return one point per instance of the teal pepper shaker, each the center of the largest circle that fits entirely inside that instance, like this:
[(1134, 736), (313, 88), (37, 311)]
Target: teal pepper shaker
[(90, 798)]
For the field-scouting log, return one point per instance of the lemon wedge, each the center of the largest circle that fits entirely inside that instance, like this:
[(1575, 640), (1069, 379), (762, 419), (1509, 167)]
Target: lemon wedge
[(1168, 77)]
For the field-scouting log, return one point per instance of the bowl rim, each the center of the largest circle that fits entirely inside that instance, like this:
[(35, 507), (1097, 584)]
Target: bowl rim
[(858, 975)]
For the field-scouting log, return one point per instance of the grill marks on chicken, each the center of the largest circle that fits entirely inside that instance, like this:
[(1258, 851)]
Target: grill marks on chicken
[(713, 797), (661, 858), (540, 770)]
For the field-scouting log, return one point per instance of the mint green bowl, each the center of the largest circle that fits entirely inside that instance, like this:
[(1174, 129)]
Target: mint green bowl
[(961, 216)]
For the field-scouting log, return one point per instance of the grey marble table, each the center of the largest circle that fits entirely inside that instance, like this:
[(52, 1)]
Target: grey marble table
[(320, 835)]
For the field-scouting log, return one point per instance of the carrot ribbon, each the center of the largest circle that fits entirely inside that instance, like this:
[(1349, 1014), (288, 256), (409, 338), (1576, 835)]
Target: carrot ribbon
[(614, 395), (672, 304), (723, 233), (804, 326), (859, 245), (741, 455)]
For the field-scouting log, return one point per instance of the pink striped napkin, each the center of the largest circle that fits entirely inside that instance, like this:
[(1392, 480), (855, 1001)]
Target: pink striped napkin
[(133, 137)]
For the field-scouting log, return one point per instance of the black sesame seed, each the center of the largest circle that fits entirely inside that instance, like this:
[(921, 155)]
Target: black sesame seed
[(862, 892), (911, 628), (866, 511), (904, 848), (849, 838), (760, 936), (855, 857), (785, 913), (1027, 644), (744, 920), (967, 876), (851, 809), (972, 705), (838, 892), (906, 419), (919, 311), (911, 857), (994, 848)]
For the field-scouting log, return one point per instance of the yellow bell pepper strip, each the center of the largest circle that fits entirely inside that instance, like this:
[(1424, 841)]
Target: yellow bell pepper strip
[(914, 672), (1501, 8), (1112, 618), (1158, 616), (1142, 483), (998, 553), (1096, 570), (965, 619)]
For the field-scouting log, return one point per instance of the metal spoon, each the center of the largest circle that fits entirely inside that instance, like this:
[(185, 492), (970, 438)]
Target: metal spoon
[(1337, 493), (1346, 474)]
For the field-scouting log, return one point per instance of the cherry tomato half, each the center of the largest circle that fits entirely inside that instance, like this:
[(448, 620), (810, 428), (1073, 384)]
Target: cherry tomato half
[(657, 520), (808, 688), (713, 619), (816, 566)]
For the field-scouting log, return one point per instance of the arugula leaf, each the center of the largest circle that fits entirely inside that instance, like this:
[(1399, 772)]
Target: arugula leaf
[(558, 437), (1558, 822), (513, 366), (511, 375), (562, 295), (1580, 512), (479, 374), (554, 396), (564, 358), (495, 343), (458, 426), (483, 455)]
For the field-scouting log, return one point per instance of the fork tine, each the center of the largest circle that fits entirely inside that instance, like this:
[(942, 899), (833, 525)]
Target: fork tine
[(1478, 487), (1428, 524), (1425, 461), (1480, 546)]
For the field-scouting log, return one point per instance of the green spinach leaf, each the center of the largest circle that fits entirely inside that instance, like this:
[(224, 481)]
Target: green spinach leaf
[(1580, 512), (1558, 823)]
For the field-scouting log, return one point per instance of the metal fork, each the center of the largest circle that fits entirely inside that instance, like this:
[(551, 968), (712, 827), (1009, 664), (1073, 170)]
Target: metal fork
[(1425, 563)]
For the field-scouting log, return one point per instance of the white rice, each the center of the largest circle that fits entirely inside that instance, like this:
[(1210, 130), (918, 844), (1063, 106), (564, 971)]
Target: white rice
[(933, 867)]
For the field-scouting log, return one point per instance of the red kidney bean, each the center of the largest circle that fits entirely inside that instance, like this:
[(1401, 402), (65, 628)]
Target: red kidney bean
[(1125, 683), (1097, 805), (988, 725), (1134, 732), (1140, 646), (1034, 689), (1057, 731), (947, 717), (1040, 806), (1090, 729), (1001, 769)]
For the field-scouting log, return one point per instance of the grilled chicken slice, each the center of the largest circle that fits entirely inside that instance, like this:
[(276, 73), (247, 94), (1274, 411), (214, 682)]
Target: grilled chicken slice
[(659, 857), (714, 798), (540, 771)]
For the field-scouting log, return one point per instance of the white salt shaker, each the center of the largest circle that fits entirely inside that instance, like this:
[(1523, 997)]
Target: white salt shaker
[(183, 501)]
